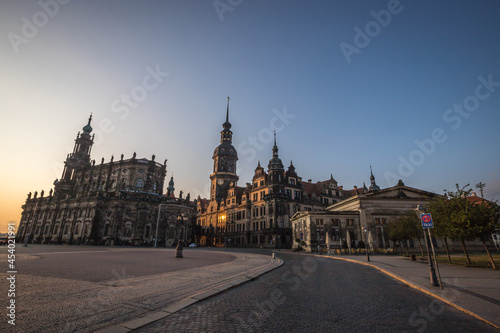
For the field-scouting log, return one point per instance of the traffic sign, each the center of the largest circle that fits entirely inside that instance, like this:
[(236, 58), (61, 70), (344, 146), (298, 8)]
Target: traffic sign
[(426, 220)]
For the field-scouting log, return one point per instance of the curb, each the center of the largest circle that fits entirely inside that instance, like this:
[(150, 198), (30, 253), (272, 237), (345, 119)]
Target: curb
[(149, 318), (425, 291)]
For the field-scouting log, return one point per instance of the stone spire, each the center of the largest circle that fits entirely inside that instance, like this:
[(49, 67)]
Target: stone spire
[(373, 186), (275, 162), (226, 135)]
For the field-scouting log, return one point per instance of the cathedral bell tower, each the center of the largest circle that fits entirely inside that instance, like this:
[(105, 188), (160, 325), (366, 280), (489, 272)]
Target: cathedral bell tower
[(224, 174), (78, 159)]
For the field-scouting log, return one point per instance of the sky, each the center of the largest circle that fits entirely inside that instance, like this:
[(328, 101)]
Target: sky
[(411, 88)]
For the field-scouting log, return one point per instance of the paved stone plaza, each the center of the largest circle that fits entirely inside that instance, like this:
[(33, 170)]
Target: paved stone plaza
[(83, 289)]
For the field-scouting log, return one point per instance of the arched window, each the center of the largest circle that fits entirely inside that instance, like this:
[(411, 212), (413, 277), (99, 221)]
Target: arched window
[(139, 183)]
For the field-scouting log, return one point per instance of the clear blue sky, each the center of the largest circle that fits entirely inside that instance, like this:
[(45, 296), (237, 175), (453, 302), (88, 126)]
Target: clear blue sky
[(269, 57)]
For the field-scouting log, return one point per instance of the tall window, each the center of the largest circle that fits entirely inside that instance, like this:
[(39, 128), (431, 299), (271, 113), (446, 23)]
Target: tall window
[(139, 183)]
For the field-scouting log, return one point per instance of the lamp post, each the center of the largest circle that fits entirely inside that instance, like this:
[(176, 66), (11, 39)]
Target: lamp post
[(178, 249), (365, 231), (419, 211), (157, 223)]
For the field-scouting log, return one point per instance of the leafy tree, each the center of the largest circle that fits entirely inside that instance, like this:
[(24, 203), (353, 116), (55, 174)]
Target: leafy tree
[(458, 217), (440, 209), (406, 226), (396, 233), (413, 227), (484, 217)]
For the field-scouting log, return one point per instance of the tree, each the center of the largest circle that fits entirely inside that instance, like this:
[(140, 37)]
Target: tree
[(406, 226), (458, 217), (441, 213), (396, 232), (413, 227), (484, 217)]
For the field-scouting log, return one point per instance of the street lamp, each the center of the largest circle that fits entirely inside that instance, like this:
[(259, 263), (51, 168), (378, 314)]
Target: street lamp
[(157, 222), (365, 231), (317, 241), (419, 211), (178, 249)]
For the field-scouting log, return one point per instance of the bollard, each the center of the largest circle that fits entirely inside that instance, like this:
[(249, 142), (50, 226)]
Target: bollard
[(272, 255)]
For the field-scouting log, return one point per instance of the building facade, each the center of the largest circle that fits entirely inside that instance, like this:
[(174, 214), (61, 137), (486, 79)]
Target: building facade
[(345, 222), (258, 214), (118, 202)]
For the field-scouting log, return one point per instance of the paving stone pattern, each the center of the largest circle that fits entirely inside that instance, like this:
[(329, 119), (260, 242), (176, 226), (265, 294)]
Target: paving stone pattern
[(310, 294)]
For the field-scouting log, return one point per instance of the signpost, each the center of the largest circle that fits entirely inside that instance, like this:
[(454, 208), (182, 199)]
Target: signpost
[(427, 223)]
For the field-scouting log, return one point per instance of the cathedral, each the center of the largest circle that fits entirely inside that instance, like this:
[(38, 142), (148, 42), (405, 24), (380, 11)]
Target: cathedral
[(258, 214), (114, 203)]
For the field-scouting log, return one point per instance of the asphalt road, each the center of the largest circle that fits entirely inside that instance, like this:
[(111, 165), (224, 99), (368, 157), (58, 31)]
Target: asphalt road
[(310, 294)]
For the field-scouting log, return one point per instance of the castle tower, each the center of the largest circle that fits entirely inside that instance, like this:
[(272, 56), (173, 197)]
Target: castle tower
[(275, 167), (225, 156), (276, 196)]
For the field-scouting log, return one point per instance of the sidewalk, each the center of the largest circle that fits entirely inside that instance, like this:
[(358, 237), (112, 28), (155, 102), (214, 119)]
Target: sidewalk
[(475, 291)]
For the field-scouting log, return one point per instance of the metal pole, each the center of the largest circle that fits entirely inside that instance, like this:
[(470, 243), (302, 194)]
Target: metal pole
[(432, 271), (157, 222), (366, 246), (317, 238), (435, 259)]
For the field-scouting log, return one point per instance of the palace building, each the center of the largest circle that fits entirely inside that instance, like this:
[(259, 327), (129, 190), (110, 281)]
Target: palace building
[(257, 214), (279, 209), (118, 202)]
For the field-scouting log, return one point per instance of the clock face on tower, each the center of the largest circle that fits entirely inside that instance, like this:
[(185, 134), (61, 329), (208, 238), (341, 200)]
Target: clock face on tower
[(220, 181)]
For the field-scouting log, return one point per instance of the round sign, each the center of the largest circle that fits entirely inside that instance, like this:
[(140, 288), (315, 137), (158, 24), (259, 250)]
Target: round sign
[(426, 218)]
